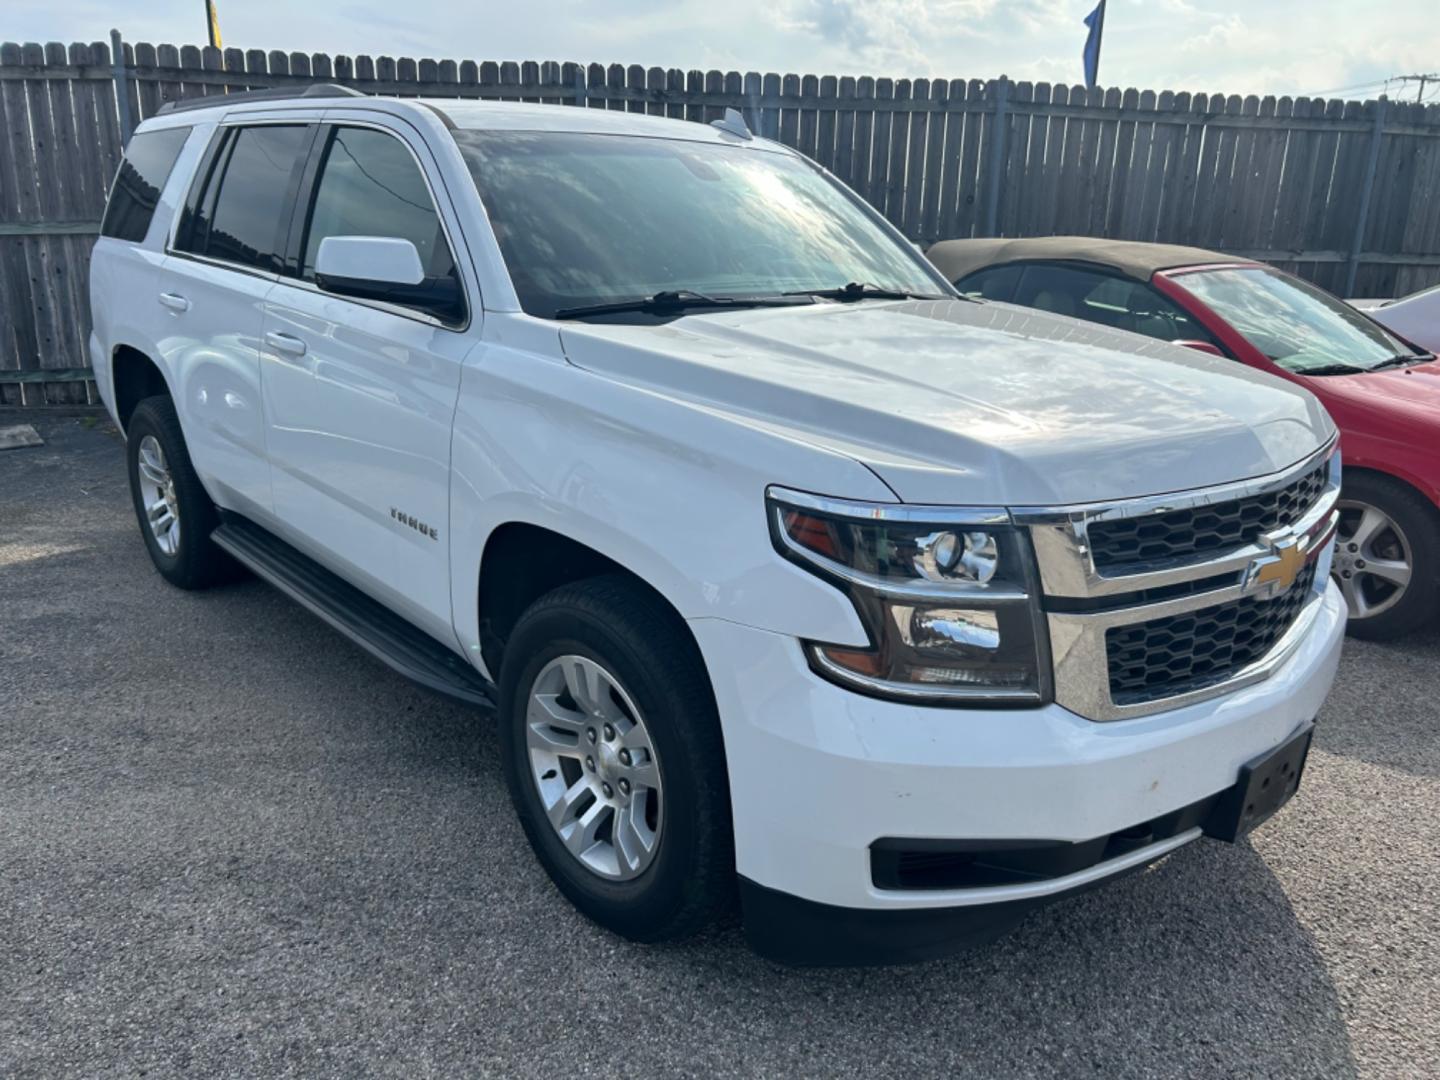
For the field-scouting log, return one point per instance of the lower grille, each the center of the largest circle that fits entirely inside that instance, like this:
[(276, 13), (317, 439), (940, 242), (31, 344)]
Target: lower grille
[(1182, 653)]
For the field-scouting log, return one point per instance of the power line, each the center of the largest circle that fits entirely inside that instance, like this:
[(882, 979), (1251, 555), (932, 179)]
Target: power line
[(1430, 77), (1375, 84)]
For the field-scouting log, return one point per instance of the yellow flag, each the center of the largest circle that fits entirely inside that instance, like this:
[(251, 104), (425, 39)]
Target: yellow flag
[(212, 21)]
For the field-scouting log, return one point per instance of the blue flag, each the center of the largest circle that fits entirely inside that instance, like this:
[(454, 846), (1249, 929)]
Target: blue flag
[(1096, 22)]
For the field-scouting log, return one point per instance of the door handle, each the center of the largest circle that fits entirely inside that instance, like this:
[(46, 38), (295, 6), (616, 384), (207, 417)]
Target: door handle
[(286, 343), (174, 301)]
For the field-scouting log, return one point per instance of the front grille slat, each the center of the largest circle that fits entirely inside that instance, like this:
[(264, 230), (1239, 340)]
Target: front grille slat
[(1179, 654), (1198, 532)]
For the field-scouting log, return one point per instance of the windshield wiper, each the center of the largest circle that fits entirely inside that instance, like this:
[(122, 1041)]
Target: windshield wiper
[(1402, 360), (1332, 369), (860, 290), (675, 300)]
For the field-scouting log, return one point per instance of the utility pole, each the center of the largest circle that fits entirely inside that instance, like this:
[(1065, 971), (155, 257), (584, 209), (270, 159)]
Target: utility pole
[(1429, 76)]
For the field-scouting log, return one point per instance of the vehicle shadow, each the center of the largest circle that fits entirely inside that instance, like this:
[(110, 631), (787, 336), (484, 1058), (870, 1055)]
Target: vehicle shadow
[(1198, 967)]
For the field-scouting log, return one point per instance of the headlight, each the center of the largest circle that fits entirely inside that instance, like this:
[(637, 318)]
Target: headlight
[(947, 598)]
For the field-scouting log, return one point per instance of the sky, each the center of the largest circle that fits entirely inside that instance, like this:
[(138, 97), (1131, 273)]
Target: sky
[(1296, 47)]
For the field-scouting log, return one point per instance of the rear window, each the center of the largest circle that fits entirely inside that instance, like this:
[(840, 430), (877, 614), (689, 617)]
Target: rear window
[(242, 215), (148, 161)]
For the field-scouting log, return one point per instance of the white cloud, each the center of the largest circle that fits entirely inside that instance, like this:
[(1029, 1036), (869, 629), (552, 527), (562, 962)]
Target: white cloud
[(1234, 46)]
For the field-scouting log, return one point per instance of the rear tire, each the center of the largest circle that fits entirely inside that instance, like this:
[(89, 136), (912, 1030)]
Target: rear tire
[(175, 514), (640, 683), (1389, 525)]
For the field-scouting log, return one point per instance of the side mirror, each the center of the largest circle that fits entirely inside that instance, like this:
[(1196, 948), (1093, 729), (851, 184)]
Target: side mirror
[(385, 268), (1200, 346)]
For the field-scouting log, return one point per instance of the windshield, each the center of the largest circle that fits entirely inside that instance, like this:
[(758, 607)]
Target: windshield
[(586, 219), (1300, 327)]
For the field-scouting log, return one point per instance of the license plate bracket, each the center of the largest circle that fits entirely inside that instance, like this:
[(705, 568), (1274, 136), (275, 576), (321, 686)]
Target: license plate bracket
[(1265, 784)]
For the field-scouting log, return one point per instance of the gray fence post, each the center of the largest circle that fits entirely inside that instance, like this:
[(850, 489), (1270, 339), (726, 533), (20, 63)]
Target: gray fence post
[(580, 85), (122, 95), (1357, 243), (996, 163)]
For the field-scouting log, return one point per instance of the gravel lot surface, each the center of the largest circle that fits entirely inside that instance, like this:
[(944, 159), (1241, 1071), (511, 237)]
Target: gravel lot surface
[(233, 844)]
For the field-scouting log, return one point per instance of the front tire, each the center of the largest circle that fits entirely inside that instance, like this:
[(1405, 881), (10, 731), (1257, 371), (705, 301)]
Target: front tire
[(175, 514), (1387, 556), (614, 759)]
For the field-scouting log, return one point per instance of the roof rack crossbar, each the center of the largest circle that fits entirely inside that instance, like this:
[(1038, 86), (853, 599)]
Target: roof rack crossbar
[(317, 90)]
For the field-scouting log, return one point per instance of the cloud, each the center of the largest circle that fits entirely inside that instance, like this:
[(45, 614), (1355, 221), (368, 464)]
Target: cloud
[(1258, 46)]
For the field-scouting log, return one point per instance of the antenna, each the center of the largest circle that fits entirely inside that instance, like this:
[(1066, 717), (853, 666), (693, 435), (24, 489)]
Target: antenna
[(733, 124)]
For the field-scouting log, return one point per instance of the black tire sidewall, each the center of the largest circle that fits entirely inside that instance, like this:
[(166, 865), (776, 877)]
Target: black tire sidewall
[(644, 907), (196, 561), (1420, 522)]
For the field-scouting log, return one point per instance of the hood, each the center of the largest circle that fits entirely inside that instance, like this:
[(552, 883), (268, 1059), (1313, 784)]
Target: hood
[(1399, 404), (954, 402)]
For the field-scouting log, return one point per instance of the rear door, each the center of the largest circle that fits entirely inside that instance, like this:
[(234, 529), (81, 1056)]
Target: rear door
[(223, 261), (360, 395)]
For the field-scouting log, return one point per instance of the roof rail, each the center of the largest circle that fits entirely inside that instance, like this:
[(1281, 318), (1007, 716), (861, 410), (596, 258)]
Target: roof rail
[(317, 90)]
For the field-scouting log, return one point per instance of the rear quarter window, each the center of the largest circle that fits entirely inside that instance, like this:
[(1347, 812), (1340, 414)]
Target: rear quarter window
[(136, 191)]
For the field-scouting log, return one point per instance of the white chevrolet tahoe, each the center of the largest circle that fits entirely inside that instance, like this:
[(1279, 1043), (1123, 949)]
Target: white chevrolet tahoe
[(792, 577)]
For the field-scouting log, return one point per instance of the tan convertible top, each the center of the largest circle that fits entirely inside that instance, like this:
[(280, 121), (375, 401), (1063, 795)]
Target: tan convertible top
[(959, 258)]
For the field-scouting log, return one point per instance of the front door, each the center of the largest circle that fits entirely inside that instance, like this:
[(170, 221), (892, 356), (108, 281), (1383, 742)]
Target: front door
[(359, 395)]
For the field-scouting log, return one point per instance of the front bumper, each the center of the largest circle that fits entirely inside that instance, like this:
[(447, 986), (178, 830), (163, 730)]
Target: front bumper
[(818, 774)]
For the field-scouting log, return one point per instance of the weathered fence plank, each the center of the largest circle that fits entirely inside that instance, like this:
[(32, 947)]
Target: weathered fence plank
[(1338, 191)]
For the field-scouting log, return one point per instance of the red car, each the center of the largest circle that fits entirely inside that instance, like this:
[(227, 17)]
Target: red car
[(1383, 392)]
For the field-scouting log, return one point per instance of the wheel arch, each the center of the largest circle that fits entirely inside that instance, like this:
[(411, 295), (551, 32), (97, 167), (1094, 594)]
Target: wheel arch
[(1425, 490), (134, 375), (522, 561)]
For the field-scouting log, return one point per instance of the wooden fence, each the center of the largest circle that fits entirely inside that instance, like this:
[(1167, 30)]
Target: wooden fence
[(1346, 194)]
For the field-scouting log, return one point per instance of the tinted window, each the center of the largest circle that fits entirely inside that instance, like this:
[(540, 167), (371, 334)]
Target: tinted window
[(994, 283), (370, 185), (1111, 301), (1300, 327), (585, 219), (148, 161), (242, 222)]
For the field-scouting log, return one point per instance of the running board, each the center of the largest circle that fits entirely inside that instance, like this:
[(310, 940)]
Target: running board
[(374, 627)]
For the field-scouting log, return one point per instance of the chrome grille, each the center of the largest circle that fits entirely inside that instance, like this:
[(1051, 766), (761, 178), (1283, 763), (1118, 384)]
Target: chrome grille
[(1183, 653), (1202, 530), (1221, 602)]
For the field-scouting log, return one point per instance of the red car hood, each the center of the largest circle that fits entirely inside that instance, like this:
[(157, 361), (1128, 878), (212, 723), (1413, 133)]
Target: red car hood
[(1408, 396)]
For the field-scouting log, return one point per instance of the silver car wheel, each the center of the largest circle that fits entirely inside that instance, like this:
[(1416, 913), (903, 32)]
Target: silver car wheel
[(157, 494), (594, 767), (1373, 561)]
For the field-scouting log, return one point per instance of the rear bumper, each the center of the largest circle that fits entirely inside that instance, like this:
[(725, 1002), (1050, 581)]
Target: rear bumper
[(818, 775)]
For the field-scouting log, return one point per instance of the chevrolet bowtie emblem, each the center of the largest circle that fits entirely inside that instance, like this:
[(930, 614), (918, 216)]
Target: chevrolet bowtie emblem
[(1272, 574)]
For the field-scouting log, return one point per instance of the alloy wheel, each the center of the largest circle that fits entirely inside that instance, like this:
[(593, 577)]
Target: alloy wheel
[(1373, 561), (594, 767), (157, 493)]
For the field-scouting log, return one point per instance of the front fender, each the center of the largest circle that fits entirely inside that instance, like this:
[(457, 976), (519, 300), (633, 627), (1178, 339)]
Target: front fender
[(671, 491)]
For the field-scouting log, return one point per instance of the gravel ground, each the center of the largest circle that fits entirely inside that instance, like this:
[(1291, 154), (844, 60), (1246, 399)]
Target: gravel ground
[(233, 844)]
